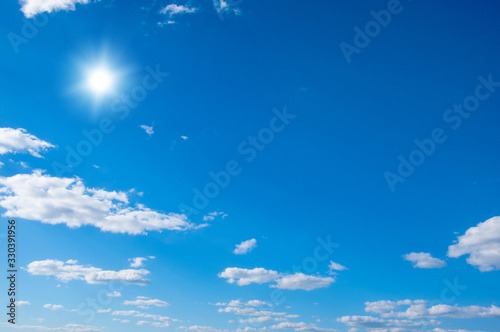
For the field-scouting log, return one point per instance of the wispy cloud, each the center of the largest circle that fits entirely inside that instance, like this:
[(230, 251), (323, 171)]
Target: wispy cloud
[(31, 8), (20, 141), (245, 247)]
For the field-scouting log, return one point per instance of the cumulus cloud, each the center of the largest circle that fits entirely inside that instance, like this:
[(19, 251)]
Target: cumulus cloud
[(22, 303), (173, 9), (245, 247), (419, 309), (54, 200), (144, 302), (302, 281), (65, 328), (424, 260), (482, 244), (31, 8), (69, 270), (20, 141), (336, 267), (374, 322), (244, 277), (227, 7)]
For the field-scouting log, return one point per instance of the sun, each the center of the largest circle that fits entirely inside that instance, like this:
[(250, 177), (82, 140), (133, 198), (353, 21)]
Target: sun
[(100, 81)]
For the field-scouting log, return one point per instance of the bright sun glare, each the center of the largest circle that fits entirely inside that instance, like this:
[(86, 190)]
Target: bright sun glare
[(100, 81)]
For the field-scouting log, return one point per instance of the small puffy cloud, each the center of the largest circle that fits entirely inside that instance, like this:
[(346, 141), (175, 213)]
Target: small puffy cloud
[(244, 277), (144, 301), (424, 260), (53, 306), (482, 244), (31, 8), (173, 9), (139, 261), (67, 271), (22, 303), (55, 200), (114, 294), (103, 311), (245, 247), (20, 141), (149, 130), (184, 138), (302, 281)]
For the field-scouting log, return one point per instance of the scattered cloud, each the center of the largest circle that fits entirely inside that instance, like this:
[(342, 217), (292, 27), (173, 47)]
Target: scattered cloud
[(149, 130), (424, 260), (336, 267), (31, 8), (145, 302), (185, 138), (482, 244), (65, 328), (212, 215), (226, 7), (245, 247), (67, 271), (22, 303), (374, 322), (20, 141), (243, 277), (54, 200), (114, 294), (302, 281), (53, 306), (173, 9), (139, 261)]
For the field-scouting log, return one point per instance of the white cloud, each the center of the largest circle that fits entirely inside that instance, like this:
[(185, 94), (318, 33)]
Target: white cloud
[(336, 267), (20, 141), (67, 271), (142, 301), (22, 303), (54, 200), (184, 137), (302, 281), (65, 328), (114, 294), (419, 309), (482, 244), (103, 311), (222, 6), (149, 130), (374, 322), (424, 260), (244, 277), (245, 247), (174, 9), (31, 8), (212, 215), (53, 306), (139, 261)]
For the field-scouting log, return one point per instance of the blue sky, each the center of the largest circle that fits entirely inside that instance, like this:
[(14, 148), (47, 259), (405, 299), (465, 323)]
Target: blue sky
[(252, 166)]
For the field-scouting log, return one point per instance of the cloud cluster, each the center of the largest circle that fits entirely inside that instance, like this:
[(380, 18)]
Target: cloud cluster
[(173, 9), (482, 244), (69, 270), (20, 141), (31, 8), (245, 247), (54, 200), (243, 277), (145, 302), (424, 260)]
